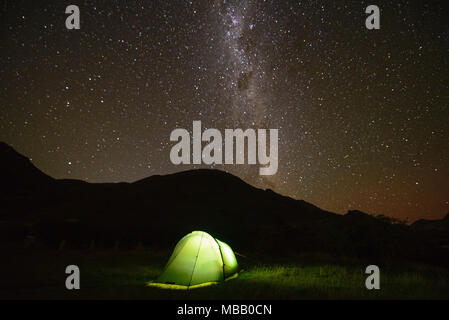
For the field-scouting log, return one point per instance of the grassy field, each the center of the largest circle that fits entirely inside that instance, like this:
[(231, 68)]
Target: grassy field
[(106, 275)]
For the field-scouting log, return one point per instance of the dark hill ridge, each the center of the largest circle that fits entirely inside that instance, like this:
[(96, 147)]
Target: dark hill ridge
[(17, 172), (424, 224), (159, 210)]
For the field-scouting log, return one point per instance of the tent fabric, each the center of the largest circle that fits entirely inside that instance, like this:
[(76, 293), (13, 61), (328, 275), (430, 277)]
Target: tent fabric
[(197, 260)]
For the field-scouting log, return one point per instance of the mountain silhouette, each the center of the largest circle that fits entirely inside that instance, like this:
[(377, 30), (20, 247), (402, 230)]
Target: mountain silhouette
[(17, 173), (424, 224), (157, 211)]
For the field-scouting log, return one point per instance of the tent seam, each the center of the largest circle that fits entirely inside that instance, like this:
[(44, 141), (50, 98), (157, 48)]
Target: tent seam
[(196, 259), (222, 260)]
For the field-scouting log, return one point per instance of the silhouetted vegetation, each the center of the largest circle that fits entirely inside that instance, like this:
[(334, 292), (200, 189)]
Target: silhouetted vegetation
[(392, 220)]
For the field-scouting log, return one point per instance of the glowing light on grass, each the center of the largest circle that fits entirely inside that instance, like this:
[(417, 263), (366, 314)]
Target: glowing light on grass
[(198, 260)]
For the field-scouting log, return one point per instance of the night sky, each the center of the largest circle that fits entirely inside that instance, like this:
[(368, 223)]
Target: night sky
[(362, 114)]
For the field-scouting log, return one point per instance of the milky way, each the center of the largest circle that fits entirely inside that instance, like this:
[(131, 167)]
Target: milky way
[(362, 114)]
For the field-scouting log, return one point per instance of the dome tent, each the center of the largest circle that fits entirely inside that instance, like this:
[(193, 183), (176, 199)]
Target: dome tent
[(198, 260)]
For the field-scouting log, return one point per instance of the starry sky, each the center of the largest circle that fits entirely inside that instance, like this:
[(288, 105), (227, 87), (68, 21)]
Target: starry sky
[(362, 114)]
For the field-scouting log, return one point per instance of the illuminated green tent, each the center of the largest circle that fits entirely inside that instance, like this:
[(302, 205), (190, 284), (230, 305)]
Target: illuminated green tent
[(198, 260)]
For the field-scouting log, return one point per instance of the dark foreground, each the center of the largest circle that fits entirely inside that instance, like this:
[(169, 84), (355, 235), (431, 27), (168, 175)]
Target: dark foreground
[(122, 275)]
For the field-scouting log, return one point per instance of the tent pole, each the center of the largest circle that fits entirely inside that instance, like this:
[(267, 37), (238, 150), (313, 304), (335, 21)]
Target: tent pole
[(222, 260), (196, 259)]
